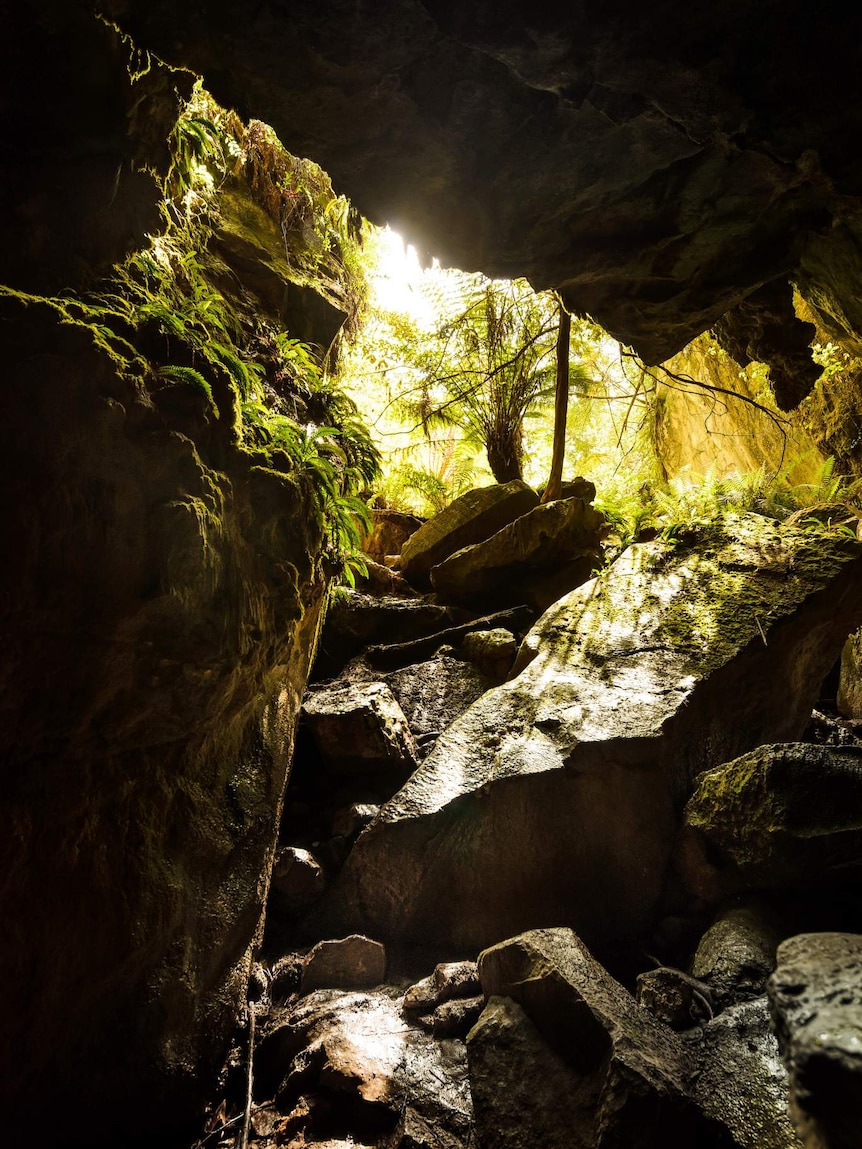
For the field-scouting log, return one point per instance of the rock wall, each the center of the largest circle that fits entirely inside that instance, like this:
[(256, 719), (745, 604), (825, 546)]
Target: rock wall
[(162, 594), (703, 427)]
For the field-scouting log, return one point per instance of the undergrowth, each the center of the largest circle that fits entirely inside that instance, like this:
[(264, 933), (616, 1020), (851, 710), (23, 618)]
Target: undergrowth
[(667, 509), (172, 316)]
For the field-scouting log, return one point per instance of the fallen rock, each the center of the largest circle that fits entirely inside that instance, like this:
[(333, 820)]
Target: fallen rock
[(351, 820), (535, 559), (357, 1050), (739, 1080), (816, 999), (390, 656), (355, 620), (850, 682), (525, 1094), (467, 520), (555, 797), (360, 726), (390, 530), (781, 816), (380, 580), (297, 879), (648, 1086), (448, 981), (736, 955), (433, 694), (493, 651), (675, 998), (354, 962), (456, 1017)]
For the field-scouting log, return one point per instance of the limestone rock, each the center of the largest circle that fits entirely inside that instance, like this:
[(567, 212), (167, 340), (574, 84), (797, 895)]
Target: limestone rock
[(535, 559), (297, 879), (640, 1083), (354, 962), (555, 796), (389, 532), (673, 997), (358, 1050), (434, 693), (850, 682), (349, 821), (449, 980), (493, 651), (355, 620), (736, 955), (524, 1094), (380, 580), (781, 816), (816, 999), (467, 520), (739, 1080), (360, 726)]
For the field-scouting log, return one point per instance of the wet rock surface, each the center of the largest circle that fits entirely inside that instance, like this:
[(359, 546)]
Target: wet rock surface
[(555, 796), (816, 1000)]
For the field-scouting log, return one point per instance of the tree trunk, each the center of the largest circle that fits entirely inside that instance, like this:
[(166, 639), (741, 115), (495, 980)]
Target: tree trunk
[(505, 455), (561, 408)]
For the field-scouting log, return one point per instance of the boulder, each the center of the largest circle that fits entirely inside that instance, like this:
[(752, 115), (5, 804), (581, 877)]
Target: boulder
[(354, 962), (816, 999), (556, 796), (673, 997), (355, 620), (524, 1094), (450, 980), (637, 1083), (493, 651), (736, 955), (850, 681), (535, 559), (782, 816), (467, 520), (297, 879), (380, 580), (352, 1056), (433, 694), (390, 530), (358, 726)]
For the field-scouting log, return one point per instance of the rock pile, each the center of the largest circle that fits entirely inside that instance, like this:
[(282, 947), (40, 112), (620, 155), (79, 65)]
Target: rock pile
[(589, 868)]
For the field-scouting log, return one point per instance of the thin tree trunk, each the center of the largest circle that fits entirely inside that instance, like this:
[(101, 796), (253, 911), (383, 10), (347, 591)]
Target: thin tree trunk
[(561, 407)]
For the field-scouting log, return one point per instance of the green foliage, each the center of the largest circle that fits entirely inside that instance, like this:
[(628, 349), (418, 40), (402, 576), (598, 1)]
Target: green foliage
[(167, 324), (669, 509)]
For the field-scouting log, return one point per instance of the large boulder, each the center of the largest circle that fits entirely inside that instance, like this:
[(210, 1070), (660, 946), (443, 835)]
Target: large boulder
[(469, 519), (779, 817), (536, 559), (359, 727), (556, 796), (816, 999)]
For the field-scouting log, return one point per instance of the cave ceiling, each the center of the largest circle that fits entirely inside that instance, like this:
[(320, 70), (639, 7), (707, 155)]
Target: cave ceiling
[(658, 163)]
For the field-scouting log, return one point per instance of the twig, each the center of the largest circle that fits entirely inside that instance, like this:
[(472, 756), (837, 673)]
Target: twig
[(246, 1120)]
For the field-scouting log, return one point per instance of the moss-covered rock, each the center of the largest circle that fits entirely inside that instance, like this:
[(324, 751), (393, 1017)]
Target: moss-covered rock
[(556, 796), (779, 817)]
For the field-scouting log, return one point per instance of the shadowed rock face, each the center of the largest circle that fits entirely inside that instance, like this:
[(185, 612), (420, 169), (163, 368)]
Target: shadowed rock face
[(657, 162)]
